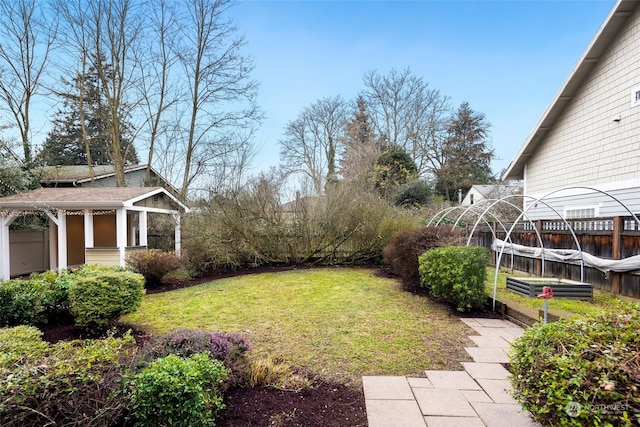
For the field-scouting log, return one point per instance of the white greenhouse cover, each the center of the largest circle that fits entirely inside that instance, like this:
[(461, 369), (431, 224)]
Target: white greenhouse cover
[(570, 256)]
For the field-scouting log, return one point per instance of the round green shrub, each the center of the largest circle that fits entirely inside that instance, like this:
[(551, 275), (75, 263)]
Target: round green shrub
[(581, 371), (97, 299), (173, 391), (20, 302), (457, 274)]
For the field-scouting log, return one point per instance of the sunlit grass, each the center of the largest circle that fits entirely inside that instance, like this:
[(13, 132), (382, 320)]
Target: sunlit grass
[(340, 323), (601, 300)]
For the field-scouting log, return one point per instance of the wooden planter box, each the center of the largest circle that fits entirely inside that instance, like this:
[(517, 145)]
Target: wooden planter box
[(532, 287)]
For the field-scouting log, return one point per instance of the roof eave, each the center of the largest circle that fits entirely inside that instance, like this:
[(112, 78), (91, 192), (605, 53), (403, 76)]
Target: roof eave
[(603, 38)]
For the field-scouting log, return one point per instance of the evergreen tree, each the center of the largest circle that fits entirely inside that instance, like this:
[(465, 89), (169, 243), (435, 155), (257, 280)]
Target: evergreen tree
[(466, 153), (361, 147), (65, 144)]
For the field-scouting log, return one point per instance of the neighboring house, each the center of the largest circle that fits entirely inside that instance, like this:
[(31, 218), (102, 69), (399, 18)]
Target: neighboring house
[(478, 193), (103, 176), (589, 136), (86, 225)]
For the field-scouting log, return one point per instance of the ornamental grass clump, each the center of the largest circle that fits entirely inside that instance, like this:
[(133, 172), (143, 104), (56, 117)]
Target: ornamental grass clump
[(582, 370)]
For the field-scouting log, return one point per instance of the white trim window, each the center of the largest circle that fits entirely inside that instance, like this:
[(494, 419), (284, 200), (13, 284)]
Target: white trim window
[(581, 212), (635, 96)]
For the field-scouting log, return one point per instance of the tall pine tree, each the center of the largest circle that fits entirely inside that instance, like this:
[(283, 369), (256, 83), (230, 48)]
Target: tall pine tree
[(65, 143)]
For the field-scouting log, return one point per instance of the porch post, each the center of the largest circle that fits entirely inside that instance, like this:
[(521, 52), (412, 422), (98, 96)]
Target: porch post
[(5, 248), (53, 226), (62, 240), (178, 247), (121, 233), (142, 225), (88, 229)]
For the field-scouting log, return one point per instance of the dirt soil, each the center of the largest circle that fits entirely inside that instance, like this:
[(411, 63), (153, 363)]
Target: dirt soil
[(325, 404)]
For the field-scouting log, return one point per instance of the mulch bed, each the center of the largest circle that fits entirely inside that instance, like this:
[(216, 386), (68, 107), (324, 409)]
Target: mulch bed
[(325, 404)]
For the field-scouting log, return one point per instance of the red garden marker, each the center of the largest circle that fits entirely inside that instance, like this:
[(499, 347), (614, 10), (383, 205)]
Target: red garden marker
[(547, 294)]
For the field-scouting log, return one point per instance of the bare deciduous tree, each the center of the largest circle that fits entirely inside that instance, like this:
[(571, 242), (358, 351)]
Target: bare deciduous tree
[(27, 34), (407, 113), (221, 93), (312, 142)]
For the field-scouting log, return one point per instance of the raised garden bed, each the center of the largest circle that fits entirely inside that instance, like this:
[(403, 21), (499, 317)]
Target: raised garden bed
[(562, 288)]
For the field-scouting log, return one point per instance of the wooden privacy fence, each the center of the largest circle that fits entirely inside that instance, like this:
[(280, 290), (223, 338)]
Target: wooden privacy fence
[(611, 238)]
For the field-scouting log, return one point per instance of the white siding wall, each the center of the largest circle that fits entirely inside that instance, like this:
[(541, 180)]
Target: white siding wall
[(586, 146)]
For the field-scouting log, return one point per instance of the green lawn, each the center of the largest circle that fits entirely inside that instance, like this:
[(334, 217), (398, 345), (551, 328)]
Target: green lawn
[(341, 323)]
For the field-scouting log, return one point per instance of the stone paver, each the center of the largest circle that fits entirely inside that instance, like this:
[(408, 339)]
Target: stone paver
[(497, 390), (450, 403), (420, 383), (490, 341), (488, 354), (394, 413), (454, 422), (459, 380), (503, 415), (476, 397), (386, 388), (491, 371)]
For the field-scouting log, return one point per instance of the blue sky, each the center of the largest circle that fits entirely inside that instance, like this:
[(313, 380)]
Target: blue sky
[(506, 58)]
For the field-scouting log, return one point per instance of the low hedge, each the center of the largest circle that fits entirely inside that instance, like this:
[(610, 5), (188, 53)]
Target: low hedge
[(581, 371)]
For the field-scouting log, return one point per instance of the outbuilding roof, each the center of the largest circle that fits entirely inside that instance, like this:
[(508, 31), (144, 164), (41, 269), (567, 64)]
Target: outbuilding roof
[(83, 197)]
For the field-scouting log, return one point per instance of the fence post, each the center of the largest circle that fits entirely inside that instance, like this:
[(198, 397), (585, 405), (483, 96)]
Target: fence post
[(538, 262), (617, 237)]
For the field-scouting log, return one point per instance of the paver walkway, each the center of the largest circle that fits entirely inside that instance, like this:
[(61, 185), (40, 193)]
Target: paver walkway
[(477, 396)]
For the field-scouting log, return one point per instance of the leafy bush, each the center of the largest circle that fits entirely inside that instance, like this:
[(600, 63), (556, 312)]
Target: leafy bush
[(97, 299), (71, 383), (228, 348), (581, 371), (414, 193), (457, 274), (405, 247), (55, 297), (20, 302), (173, 391), (153, 264)]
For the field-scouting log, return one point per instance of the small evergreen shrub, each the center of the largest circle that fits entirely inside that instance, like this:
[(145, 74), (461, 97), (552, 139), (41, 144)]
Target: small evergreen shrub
[(70, 383), (581, 371), (20, 302), (153, 264), (173, 391), (457, 274), (98, 299), (230, 348), (403, 250)]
